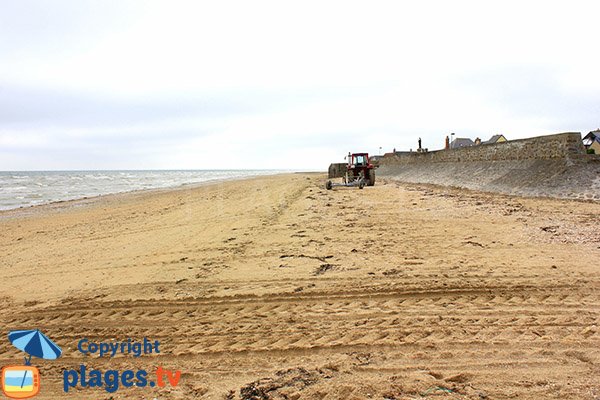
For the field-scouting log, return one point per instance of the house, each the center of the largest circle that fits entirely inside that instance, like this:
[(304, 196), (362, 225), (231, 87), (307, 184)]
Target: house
[(495, 139), (592, 141), (461, 142)]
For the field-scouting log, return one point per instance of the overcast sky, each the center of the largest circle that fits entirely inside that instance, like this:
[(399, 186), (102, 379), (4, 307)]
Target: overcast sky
[(281, 84)]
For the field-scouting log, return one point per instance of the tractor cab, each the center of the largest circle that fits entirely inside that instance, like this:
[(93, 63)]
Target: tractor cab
[(358, 160)]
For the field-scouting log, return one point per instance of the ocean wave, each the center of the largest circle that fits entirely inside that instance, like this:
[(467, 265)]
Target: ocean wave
[(46, 187)]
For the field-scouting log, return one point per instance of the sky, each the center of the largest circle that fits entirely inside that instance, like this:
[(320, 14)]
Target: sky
[(284, 84)]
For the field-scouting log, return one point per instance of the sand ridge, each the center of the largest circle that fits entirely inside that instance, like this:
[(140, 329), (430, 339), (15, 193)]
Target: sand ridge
[(274, 288)]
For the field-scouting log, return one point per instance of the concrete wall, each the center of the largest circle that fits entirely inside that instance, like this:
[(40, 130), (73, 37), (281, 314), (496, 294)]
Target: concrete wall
[(554, 165)]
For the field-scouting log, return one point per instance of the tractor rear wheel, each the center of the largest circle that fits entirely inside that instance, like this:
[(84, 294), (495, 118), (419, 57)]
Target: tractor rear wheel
[(371, 178)]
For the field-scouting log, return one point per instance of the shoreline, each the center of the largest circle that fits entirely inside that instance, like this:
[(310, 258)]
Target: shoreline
[(89, 200)]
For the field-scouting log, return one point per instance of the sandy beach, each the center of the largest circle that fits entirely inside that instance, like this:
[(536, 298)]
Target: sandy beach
[(275, 288)]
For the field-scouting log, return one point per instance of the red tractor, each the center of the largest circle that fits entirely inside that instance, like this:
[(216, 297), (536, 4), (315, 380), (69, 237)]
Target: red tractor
[(358, 171)]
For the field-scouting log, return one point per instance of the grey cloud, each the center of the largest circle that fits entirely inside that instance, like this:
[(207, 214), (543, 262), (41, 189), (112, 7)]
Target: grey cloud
[(31, 106), (23, 105), (32, 26), (534, 91)]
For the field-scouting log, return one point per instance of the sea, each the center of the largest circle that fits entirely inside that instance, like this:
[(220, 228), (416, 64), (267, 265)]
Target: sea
[(30, 188)]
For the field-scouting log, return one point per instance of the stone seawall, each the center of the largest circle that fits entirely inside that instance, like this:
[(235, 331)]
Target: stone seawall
[(552, 166)]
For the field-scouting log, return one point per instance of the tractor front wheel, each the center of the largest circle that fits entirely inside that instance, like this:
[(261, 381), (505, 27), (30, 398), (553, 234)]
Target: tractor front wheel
[(328, 185)]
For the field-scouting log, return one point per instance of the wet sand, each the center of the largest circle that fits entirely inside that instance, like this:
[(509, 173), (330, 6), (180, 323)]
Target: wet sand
[(274, 288)]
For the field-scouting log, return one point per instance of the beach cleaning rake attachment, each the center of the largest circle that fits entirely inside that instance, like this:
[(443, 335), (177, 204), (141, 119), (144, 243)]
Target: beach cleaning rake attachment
[(358, 171)]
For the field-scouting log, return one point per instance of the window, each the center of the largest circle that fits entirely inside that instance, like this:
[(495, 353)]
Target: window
[(360, 160)]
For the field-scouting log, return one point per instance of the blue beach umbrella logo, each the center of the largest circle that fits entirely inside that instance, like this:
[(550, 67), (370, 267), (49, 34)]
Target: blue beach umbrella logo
[(20, 382), (34, 343)]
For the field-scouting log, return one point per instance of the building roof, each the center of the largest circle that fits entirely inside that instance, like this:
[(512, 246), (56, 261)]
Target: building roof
[(493, 139), (461, 142), (590, 138), (593, 134)]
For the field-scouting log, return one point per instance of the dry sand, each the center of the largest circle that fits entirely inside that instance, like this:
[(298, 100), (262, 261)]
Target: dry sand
[(274, 288)]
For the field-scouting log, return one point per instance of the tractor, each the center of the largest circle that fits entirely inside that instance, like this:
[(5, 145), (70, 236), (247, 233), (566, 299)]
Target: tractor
[(357, 171)]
